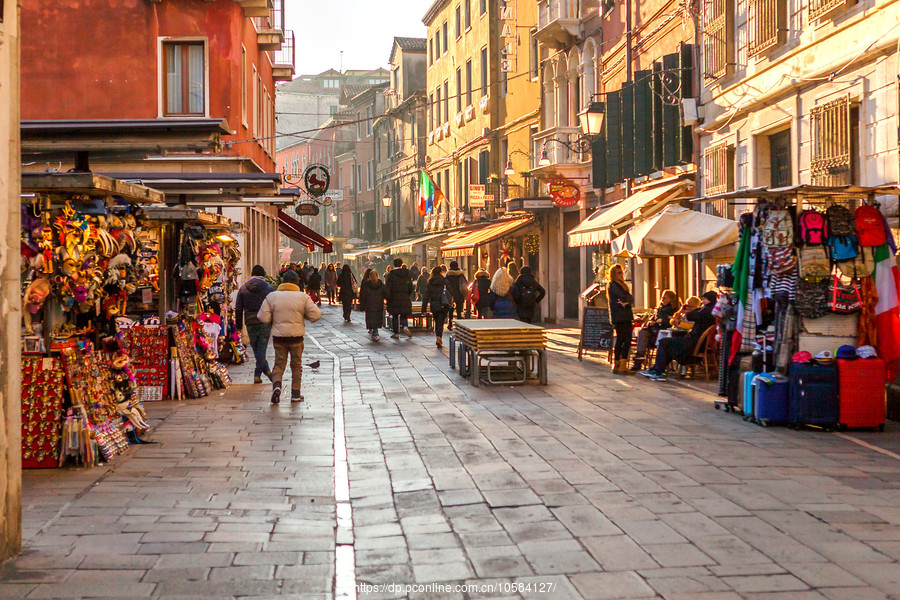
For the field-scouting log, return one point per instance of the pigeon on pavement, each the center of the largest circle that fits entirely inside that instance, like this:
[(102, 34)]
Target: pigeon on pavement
[(314, 365)]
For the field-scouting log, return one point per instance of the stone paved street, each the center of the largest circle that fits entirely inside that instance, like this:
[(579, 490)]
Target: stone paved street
[(592, 487)]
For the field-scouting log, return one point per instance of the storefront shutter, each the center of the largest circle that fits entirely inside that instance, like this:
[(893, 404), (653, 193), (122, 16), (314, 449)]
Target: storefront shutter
[(614, 137), (656, 109), (687, 91), (598, 162), (671, 118), (643, 123), (628, 171)]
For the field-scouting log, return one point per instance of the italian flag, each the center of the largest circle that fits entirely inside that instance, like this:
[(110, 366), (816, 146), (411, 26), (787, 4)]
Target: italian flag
[(887, 311)]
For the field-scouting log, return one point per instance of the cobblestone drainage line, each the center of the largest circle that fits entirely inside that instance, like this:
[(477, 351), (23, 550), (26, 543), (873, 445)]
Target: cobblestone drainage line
[(344, 557)]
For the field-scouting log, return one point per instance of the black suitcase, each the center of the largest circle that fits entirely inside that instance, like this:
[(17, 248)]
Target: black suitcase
[(731, 401), (814, 398)]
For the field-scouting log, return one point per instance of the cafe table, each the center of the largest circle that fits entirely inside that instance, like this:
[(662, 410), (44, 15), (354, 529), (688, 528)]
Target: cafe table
[(481, 348)]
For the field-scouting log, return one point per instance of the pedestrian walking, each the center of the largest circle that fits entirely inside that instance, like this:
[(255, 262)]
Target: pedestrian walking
[(371, 299), (422, 283), (435, 298), (398, 288), (502, 304), (287, 309), (330, 279), (457, 284), (246, 306), (621, 316), (527, 293), (415, 271), (661, 319), (681, 348), (346, 292), (480, 293), (314, 286)]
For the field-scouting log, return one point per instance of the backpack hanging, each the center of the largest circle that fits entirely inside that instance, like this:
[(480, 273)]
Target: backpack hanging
[(870, 229), (861, 266), (814, 263), (840, 221), (782, 260), (778, 230), (842, 247), (813, 299), (813, 227)]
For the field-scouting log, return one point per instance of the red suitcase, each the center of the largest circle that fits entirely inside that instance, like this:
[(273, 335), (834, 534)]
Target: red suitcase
[(861, 385)]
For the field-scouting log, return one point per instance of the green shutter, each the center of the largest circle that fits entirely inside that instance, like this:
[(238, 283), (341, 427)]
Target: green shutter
[(671, 117), (687, 91), (598, 162), (643, 123), (628, 131), (656, 110), (614, 137)]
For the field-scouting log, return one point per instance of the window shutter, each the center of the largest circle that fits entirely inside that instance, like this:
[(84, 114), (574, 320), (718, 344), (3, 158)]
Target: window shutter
[(718, 38), (671, 117), (627, 116), (831, 144), (657, 113), (718, 169), (643, 123), (613, 137), (599, 176), (767, 25), (686, 91)]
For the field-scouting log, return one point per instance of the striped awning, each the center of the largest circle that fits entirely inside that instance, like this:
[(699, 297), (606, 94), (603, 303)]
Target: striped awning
[(464, 243), (302, 234)]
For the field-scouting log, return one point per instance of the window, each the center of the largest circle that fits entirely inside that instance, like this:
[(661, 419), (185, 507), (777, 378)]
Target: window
[(458, 23), (446, 39), (359, 179), (822, 8), (244, 86), (482, 6), (468, 13), (504, 76), (437, 44), (254, 80), (468, 83), (780, 159), (431, 109), (484, 72), (358, 126), (718, 38), (459, 92), (332, 110), (718, 163), (185, 80), (534, 57), (370, 175), (831, 162), (368, 121), (446, 100), (437, 107), (430, 51), (767, 24)]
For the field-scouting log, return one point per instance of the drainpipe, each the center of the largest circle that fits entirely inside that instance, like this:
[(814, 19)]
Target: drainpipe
[(629, 68)]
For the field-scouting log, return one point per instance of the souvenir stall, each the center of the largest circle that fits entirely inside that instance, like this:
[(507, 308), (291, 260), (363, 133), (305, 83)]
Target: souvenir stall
[(79, 255), (809, 311)]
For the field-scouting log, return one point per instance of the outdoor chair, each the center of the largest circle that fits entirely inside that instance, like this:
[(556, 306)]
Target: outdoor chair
[(705, 355)]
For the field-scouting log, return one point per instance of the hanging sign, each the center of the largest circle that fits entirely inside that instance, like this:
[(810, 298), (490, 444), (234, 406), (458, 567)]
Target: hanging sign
[(477, 197), (564, 193), (316, 180), (306, 210), (508, 43)]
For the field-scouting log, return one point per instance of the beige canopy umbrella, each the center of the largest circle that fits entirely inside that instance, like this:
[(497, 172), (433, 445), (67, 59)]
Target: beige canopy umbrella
[(676, 231)]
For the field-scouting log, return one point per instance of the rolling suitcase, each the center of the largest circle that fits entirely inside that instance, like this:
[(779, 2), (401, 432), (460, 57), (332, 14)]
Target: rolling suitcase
[(861, 385), (771, 402), (813, 396), (747, 394), (734, 370)]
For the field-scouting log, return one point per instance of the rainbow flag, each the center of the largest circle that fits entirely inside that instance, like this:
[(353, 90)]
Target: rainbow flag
[(430, 195)]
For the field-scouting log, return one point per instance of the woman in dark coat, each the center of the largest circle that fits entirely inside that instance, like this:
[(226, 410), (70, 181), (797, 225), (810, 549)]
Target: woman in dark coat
[(433, 296), (314, 286), (527, 293), (346, 294), (481, 293), (398, 293), (621, 316), (371, 299), (668, 306)]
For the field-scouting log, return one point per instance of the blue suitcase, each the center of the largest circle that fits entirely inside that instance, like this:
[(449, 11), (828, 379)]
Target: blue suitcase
[(747, 394), (813, 397), (770, 404)]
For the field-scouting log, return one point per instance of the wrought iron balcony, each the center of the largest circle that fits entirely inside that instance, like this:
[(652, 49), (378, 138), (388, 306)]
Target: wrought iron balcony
[(284, 60)]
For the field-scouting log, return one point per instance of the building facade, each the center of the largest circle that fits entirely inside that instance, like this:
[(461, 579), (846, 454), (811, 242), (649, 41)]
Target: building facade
[(10, 275), (175, 60)]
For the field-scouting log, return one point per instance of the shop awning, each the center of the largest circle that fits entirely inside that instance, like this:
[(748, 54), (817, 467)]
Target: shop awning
[(302, 234), (406, 246), (464, 243), (597, 228), (676, 231)]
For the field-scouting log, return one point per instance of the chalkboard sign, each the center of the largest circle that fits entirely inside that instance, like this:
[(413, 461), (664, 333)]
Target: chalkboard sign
[(596, 330)]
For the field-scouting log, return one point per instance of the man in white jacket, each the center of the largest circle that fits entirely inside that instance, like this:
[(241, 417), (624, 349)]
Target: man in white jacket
[(287, 309)]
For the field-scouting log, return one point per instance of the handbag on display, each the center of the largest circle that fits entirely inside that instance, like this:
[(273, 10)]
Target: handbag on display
[(782, 260), (845, 299), (812, 299)]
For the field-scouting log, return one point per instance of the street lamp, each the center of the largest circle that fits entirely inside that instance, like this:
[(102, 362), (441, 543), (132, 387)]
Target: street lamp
[(386, 200), (509, 168), (591, 119), (334, 217)]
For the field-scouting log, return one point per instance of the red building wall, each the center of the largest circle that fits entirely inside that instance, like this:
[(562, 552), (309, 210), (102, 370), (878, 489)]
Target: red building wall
[(99, 59)]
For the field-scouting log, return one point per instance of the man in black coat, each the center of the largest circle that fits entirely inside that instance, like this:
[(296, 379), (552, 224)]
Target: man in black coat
[(681, 348), (398, 288), (527, 293), (249, 298), (457, 285)]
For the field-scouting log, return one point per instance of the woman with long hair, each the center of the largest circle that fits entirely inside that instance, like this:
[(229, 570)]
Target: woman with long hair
[(371, 300), (346, 293), (434, 296), (669, 303), (330, 278), (502, 304), (621, 316)]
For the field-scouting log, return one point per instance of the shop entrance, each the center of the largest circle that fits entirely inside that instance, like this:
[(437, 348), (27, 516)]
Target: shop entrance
[(571, 269)]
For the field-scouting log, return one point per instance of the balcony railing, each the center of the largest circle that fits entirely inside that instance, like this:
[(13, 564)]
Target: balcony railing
[(557, 152), (276, 17), (823, 8), (767, 25), (287, 55), (557, 21)]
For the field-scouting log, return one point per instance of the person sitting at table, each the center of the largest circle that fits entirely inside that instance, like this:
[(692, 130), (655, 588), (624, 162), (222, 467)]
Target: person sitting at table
[(681, 348), (433, 296), (668, 306), (679, 319), (621, 316)]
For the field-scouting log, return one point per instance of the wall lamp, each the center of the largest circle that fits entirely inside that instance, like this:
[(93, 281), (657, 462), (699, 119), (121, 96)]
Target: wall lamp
[(591, 122)]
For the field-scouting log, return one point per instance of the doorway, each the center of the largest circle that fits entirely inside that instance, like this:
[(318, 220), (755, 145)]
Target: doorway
[(571, 275)]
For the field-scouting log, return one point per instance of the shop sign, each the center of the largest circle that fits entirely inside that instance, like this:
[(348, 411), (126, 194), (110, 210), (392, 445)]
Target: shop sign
[(316, 180), (508, 37), (477, 197), (442, 220), (454, 216), (516, 204), (476, 214), (564, 193), (306, 210), (335, 195)]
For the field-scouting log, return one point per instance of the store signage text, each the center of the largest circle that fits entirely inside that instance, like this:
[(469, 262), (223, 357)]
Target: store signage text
[(508, 42), (564, 193), (477, 197)]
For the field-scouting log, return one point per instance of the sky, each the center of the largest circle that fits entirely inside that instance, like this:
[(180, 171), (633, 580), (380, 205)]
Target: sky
[(363, 29)]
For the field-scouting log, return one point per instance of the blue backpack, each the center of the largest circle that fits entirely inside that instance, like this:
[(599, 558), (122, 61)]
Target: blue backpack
[(843, 247)]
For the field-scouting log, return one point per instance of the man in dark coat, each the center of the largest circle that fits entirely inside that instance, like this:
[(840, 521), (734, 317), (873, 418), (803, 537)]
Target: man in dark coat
[(527, 293), (399, 287), (346, 293), (249, 298), (681, 348), (458, 286)]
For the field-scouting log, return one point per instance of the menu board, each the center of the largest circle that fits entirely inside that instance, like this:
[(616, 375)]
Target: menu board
[(596, 330)]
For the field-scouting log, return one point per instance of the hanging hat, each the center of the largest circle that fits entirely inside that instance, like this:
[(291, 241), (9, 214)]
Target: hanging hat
[(846, 352), (802, 357), (866, 352)]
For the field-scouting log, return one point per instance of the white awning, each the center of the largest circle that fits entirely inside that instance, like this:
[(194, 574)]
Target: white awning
[(597, 228), (406, 246), (676, 231)]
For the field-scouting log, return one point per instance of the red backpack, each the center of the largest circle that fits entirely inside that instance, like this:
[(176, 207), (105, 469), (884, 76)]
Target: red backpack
[(813, 228), (869, 226)]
